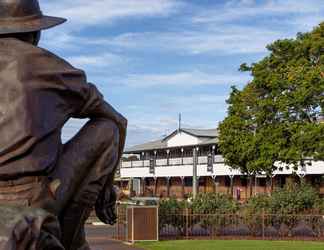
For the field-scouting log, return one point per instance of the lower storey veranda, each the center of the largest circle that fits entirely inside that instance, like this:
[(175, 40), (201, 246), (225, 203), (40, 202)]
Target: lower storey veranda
[(240, 187)]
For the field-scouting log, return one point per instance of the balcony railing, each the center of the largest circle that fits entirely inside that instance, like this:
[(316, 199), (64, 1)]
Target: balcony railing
[(170, 162)]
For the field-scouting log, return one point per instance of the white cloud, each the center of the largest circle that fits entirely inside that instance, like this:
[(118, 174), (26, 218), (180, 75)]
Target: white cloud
[(181, 79), (226, 40), (208, 31), (236, 10), (85, 12), (97, 61)]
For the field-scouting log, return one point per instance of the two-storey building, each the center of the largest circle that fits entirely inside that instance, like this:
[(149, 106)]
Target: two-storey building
[(167, 167)]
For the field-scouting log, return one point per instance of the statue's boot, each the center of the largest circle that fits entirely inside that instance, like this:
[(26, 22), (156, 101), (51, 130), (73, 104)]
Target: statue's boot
[(72, 226)]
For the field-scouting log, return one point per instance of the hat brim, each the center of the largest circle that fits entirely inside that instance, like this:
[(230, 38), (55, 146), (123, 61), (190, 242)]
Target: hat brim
[(42, 23)]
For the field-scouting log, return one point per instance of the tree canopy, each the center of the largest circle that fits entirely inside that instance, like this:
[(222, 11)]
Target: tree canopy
[(277, 115)]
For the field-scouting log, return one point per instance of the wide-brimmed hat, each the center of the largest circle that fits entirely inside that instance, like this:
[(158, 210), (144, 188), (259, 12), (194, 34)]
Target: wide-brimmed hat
[(18, 16)]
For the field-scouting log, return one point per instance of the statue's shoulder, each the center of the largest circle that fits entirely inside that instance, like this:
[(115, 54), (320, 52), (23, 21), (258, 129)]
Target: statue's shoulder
[(30, 55)]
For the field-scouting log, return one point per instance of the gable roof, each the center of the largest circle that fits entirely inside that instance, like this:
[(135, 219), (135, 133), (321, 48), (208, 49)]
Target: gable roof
[(195, 132), (209, 136)]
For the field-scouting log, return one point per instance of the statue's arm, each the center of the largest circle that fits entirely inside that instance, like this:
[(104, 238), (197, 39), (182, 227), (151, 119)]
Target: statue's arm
[(94, 106)]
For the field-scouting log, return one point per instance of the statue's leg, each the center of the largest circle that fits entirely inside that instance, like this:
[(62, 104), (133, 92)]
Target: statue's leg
[(83, 168)]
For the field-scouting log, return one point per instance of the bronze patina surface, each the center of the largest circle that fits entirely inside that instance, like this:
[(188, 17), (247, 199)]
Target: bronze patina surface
[(39, 93), (24, 16)]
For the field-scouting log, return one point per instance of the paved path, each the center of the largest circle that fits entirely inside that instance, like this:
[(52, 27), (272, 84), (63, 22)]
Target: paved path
[(98, 240)]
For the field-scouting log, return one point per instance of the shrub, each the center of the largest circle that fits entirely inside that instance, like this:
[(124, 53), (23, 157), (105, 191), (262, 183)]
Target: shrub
[(210, 207), (210, 203), (258, 203), (171, 214), (293, 199)]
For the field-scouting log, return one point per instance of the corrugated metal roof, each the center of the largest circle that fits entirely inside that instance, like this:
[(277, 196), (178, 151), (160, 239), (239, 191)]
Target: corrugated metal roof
[(201, 132), (210, 134), (147, 146)]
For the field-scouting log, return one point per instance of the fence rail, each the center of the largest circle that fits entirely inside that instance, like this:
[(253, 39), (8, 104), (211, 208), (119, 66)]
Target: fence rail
[(262, 226)]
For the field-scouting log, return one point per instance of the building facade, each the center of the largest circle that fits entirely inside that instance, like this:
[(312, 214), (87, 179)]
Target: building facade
[(189, 160)]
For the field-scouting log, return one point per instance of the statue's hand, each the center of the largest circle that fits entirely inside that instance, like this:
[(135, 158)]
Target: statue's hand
[(105, 207)]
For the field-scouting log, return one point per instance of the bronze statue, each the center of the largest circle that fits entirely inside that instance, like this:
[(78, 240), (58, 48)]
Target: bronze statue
[(39, 92)]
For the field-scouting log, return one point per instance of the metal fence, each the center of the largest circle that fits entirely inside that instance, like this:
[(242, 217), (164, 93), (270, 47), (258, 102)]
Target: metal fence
[(188, 225), (241, 226), (120, 228)]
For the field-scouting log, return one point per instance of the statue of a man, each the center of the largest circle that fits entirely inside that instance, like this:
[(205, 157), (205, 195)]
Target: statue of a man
[(39, 92)]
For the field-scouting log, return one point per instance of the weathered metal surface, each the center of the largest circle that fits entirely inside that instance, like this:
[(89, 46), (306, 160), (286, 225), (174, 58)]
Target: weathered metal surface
[(24, 16), (39, 92), (26, 228)]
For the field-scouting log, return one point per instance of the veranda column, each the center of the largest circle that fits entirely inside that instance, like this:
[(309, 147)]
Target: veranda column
[(143, 158), (168, 186), (231, 176), (215, 183), (272, 182), (131, 187), (182, 185), (143, 186), (182, 156), (168, 156), (194, 174), (155, 185)]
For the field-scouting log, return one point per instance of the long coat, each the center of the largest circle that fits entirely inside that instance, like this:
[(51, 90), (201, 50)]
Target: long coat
[(39, 92)]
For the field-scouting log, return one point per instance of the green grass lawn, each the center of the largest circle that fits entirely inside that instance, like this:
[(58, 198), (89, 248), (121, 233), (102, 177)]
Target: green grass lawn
[(231, 245)]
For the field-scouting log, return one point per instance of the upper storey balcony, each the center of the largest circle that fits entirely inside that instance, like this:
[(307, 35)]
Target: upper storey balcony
[(174, 156)]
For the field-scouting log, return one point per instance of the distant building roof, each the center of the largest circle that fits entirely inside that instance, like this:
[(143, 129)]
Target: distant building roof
[(202, 132), (147, 146), (208, 136)]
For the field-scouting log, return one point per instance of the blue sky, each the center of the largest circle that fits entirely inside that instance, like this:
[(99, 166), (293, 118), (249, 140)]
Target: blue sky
[(153, 59)]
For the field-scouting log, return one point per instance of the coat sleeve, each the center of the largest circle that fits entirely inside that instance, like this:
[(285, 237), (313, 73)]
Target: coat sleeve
[(82, 99)]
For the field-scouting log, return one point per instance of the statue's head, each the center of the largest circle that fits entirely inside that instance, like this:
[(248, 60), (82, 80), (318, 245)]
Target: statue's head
[(24, 20)]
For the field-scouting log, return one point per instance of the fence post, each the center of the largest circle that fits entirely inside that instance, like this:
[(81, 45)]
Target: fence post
[(263, 223), (187, 222)]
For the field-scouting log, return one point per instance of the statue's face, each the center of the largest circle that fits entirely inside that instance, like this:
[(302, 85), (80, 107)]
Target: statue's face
[(32, 37)]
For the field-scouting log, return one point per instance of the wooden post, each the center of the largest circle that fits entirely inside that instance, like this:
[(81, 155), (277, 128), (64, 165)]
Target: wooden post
[(263, 222), (187, 223), (194, 174)]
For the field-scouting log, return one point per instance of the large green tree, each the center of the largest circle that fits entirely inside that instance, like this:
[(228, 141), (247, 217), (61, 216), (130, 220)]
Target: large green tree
[(276, 116)]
